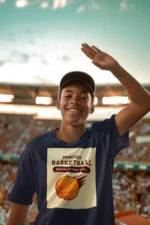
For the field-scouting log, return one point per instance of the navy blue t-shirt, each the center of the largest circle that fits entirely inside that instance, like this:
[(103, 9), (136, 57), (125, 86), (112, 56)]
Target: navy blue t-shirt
[(73, 180)]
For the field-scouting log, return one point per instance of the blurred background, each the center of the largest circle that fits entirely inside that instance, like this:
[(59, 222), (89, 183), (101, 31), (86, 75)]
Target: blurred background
[(40, 41)]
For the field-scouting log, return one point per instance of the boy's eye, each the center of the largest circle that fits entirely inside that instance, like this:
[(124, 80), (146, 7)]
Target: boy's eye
[(68, 96), (83, 97)]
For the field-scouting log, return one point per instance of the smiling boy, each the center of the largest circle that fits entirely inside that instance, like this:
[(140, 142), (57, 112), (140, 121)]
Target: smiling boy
[(71, 167)]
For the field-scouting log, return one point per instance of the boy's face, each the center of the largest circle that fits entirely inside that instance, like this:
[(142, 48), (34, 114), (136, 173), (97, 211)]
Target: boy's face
[(75, 103)]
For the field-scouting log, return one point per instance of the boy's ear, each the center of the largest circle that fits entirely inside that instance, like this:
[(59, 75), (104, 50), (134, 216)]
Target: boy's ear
[(58, 104), (92, 109)]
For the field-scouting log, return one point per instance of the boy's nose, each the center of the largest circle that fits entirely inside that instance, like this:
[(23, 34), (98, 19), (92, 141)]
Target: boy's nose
[(75, 101)]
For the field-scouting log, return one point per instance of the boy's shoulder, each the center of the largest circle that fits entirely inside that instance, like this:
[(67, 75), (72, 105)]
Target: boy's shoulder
[(104, 124), (39, 140)]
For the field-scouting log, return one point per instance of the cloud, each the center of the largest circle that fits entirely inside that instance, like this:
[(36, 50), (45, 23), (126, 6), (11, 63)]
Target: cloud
[(2, 1), (28, 31), (13, 36), (19, 57), (21, 3), (3, 62), (95, 5), (44, 4), (31, 42), (131, 6), (64, 58), (12, 39), (81, 8), (24, 38), (124, 5), (44, 60), (59, 4)]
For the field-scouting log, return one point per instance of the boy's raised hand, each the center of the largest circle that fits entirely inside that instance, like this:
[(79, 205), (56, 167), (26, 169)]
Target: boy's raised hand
[(99, 58)]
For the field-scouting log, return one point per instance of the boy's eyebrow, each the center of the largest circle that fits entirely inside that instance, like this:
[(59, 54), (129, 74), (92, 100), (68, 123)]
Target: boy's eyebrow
[(68, 91), (84, 92)]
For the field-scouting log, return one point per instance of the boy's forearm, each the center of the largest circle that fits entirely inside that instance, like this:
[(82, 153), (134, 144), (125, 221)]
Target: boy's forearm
[(137, 93), (18, 215)]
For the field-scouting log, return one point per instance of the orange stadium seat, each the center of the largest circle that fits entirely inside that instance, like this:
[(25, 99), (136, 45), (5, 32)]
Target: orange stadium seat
[(131, 218)]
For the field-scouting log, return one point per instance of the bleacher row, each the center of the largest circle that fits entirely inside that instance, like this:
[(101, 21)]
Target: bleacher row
[(17, 130)]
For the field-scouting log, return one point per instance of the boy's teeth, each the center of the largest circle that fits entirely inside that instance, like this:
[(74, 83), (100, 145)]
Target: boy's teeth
[(73, 110)]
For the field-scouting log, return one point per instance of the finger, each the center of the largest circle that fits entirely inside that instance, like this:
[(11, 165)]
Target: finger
[(87, 53), (96, 49), (88, 48)]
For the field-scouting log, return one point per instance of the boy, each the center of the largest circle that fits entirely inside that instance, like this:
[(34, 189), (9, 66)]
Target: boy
[(70, 168)]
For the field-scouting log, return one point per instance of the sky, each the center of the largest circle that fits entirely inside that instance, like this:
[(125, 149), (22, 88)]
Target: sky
[(41, 40)]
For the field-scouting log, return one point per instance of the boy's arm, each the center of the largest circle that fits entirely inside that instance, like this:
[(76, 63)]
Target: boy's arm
[(139, 96), (18, 214)]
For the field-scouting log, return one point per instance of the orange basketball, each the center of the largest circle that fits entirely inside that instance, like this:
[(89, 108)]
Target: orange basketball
[(67, 187)]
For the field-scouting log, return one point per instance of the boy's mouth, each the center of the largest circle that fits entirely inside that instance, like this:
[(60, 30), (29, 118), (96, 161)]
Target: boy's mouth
[(73, 110)]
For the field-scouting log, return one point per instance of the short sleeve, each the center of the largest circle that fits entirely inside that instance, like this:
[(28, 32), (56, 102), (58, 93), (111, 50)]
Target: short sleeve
[(112, 140), (24, 187)]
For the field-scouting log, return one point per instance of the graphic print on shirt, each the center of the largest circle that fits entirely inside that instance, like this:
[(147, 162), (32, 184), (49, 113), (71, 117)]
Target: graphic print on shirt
[(71, 181), (68, 187)]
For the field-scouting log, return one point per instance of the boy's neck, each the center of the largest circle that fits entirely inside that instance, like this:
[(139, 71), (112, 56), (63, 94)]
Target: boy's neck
[(70, 133)]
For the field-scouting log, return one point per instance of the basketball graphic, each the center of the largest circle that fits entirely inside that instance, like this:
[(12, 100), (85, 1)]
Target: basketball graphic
[(68, 187)]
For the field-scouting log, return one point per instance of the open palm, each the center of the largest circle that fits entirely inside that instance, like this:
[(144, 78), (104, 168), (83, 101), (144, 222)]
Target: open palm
[(99, 58)]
